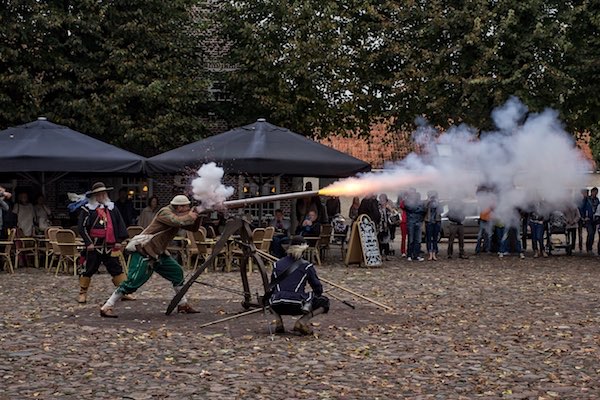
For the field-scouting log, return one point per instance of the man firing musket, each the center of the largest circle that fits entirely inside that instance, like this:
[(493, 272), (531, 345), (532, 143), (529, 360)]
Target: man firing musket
[(149, 254)]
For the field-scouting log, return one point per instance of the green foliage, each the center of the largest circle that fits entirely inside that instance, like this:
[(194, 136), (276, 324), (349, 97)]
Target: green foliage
[(126, 71), (132, 72), (303, 64), (331, 66)]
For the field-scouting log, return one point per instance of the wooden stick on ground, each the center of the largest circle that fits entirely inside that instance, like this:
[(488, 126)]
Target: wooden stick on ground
[(357, 294), (231, 317)]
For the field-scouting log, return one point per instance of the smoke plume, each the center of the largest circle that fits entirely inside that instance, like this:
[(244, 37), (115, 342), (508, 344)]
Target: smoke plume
[(529, 158), (208, 189)]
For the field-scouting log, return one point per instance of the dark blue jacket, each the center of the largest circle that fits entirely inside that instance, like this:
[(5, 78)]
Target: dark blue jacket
[(415, 211), (291, 289)]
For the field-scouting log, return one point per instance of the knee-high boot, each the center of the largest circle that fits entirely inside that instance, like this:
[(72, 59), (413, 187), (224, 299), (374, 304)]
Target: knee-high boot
[(84, 284), (117, 280)]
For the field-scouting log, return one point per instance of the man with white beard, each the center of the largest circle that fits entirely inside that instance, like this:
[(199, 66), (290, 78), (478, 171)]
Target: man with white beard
[(102, 229)]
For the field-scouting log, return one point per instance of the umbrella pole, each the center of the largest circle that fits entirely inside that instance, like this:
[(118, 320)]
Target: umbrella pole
[(260, 205)]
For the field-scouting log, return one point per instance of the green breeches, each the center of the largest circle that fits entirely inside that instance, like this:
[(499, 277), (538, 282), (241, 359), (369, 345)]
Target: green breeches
[(141, 269)]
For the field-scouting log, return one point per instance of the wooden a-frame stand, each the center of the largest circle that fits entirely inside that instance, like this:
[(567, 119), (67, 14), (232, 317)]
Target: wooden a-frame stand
[(240, 227)]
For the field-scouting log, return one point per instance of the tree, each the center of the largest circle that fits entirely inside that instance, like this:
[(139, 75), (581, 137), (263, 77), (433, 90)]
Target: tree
[(126, 71), (304, 65), (331, 66), (582, 104)]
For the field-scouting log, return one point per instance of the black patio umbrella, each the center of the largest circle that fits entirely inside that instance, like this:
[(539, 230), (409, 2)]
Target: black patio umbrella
[(261, 149), (42, 146)]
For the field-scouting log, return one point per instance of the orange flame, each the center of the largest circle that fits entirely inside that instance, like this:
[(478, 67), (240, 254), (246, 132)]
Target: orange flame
[(376, 183)]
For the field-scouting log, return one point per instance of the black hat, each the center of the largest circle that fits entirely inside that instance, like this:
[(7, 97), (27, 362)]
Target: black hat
[(297, 241)]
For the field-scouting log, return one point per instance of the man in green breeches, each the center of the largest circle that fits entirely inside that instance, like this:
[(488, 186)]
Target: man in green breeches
[(149, 253)]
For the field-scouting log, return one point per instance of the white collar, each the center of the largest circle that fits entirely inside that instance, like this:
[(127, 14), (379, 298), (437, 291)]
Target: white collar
[(92, 205)]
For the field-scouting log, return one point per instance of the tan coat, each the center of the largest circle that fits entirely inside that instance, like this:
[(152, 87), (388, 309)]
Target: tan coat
[(164, 228)]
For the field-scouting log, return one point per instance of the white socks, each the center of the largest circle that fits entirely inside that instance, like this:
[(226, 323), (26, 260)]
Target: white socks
[(116, 296)]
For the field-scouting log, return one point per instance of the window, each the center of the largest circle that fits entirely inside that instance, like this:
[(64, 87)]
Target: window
[(252, 187), (138, 190)]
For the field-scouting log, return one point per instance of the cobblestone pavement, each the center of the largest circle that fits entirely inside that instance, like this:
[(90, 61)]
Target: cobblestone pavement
[(460, 329)]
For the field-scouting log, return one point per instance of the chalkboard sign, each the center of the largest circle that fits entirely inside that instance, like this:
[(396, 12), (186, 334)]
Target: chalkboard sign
[(363, 247)]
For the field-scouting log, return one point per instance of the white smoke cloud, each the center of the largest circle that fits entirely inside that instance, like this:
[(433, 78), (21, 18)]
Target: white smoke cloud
[(529, 158), (208, 189)]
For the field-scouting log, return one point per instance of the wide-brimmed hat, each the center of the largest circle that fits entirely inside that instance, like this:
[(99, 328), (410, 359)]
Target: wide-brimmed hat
[(98, 187), (180, 200)]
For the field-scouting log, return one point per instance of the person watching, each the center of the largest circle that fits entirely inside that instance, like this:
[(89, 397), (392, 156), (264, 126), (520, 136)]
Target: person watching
[(281, 236)]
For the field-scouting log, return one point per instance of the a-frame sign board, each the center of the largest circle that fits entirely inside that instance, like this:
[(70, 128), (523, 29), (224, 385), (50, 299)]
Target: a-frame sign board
[(363, 247)]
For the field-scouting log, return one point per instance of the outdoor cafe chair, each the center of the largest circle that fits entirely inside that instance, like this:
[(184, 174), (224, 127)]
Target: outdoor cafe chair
[(55, 254), (201, 248), (321, 246), (25, 246), (6, 252), (47, 245), (263, 245), (69, 252), (132, 231)]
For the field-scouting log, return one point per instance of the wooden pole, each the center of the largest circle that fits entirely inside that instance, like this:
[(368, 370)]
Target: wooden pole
[(232, 317), (266, 255), (357, 294)]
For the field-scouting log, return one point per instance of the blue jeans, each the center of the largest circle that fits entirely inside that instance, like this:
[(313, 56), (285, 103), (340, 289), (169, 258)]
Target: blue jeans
[(432, 233), (483, 236), (537, 236), (414, 239)]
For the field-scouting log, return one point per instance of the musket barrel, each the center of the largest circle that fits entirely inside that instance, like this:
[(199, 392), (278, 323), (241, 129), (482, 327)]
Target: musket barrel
[(267, 199)]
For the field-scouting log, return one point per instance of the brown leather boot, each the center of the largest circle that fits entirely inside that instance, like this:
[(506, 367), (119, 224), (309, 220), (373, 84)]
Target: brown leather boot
[(108, 313), (84, 284), (303, 327)]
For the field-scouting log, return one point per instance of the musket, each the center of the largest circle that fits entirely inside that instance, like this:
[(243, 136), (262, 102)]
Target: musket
[(266, 199)]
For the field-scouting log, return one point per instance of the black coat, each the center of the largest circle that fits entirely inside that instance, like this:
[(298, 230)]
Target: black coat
[(370, 206), (88, 220)]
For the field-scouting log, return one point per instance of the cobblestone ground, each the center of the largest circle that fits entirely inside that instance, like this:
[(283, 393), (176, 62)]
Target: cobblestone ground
[(460, 329)]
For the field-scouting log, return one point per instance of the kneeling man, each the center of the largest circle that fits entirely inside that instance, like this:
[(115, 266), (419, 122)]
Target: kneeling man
[(289, 297)]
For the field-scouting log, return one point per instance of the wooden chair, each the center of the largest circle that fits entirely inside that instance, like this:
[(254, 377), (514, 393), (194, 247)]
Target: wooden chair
[(46, 246), (257, 236), (200, 247), (26, 246), (6, 247), (210, 232), (55, 255), (264, 245), (67, 244), (267, 239), (134, 231), (321, 246)]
